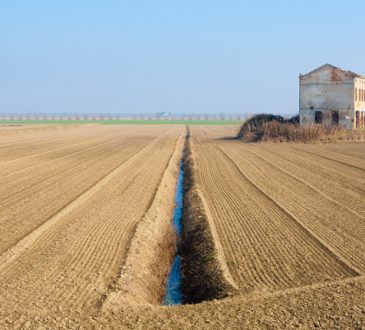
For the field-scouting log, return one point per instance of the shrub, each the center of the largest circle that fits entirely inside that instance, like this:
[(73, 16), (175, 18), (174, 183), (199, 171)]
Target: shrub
[(251, 128), (273, 128)]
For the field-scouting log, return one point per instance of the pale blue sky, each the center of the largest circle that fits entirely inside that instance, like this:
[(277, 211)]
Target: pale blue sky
[(180, 56)]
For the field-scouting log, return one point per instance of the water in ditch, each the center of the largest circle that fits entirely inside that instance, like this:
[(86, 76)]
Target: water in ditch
[(173, 294)]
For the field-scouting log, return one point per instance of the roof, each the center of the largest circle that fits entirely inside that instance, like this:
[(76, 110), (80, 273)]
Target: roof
[(353, 74)]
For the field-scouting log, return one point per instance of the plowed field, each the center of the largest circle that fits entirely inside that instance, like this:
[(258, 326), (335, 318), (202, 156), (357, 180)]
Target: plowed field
[(288, 215), (288, 221), (69, 210)]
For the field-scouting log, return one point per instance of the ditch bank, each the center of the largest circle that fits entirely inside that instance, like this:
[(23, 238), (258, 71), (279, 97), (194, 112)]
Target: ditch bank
[(205, 275), (161, 249), (173, 291), (145, 269)]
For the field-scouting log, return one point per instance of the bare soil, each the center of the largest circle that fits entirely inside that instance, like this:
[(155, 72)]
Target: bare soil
[(85, 240)]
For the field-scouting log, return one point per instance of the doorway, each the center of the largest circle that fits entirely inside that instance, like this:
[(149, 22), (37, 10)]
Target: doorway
[(357, 119), (335, 117)]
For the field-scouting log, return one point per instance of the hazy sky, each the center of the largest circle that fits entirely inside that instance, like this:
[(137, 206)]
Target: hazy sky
[(180, 56)]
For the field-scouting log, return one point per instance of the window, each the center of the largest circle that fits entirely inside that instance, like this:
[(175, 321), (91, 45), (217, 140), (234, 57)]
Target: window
[(318, 117)]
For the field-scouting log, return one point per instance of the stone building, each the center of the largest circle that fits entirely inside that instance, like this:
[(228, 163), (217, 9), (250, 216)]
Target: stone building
[(330, 95)]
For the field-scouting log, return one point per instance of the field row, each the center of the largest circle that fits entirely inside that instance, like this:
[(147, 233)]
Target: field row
[(286, 215), (66, 224)]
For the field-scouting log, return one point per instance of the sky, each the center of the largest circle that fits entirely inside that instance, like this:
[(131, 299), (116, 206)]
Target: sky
[(187, 56)]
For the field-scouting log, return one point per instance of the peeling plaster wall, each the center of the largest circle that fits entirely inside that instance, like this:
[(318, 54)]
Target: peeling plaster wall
[(327, 89)]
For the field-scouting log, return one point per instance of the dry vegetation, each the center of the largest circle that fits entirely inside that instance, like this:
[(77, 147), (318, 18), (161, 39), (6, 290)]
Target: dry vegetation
[(82, 211), (270, 128)]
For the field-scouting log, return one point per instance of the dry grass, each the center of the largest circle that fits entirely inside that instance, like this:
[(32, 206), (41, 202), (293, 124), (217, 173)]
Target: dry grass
[(275, 131)]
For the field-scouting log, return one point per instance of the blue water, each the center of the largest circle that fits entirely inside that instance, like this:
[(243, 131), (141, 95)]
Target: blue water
[(173, 288), (179, 199)]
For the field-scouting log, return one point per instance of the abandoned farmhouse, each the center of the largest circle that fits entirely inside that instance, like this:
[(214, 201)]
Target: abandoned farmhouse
[(330, 95)]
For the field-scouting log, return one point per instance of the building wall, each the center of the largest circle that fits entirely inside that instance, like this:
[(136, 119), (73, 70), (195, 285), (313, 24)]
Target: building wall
[(327, 90), (359, 96)]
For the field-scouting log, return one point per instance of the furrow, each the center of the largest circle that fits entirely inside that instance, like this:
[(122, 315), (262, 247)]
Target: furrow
[(251, 227), (314, 232), (7, 257)]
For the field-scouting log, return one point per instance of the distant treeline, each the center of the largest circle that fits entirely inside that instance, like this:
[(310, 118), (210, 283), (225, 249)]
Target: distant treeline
[(107, 117)]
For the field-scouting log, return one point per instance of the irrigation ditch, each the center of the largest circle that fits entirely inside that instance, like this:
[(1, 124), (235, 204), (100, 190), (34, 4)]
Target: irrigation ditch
[(173, 291), (173, 258), (202, 274)]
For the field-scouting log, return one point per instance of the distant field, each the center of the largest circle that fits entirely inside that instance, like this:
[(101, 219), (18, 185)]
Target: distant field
[(118, 122)]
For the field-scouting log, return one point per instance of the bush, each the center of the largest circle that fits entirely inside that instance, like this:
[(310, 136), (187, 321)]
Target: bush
[(251, 129), (273, 128)]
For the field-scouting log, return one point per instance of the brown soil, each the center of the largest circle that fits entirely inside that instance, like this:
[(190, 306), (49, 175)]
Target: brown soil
[(143, 276), (85, 240), (204, 272)]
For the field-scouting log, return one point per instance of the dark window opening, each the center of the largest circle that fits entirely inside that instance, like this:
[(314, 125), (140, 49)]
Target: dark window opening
[(357, 119), (318, 117), (335, 117)]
